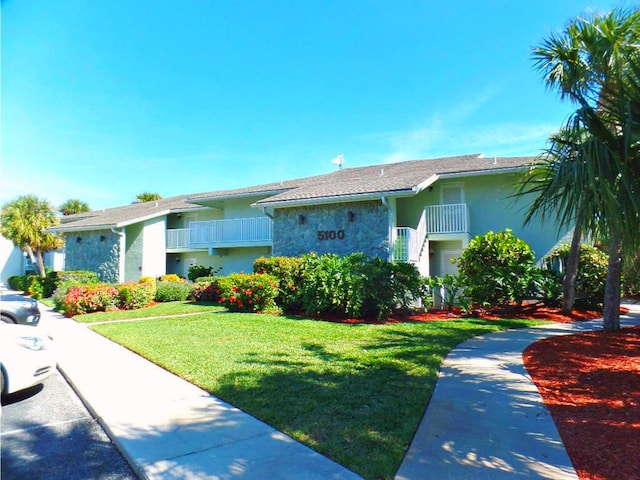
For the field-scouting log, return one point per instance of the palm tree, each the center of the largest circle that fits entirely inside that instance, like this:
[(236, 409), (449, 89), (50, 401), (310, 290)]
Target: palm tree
[(23, 222), (591, 173), (147, 197), (72, 206)]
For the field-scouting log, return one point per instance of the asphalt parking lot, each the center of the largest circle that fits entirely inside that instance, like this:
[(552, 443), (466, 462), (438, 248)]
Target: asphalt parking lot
[(47, 433)]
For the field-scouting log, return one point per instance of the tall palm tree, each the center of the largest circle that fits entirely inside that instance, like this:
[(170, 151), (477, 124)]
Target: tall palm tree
[(591, 174), (23, 222)]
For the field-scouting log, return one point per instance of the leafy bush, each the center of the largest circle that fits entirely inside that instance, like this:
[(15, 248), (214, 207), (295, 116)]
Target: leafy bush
[(451, 289), (592, 274), (497, 269), (171, 277), (18, 282), (34, 286), (631, 275), (288, 271), (146, 280), (133, 295), (355, 286), (205, 290), (172, 291), (199, 271), (91, 298), (249, 292)]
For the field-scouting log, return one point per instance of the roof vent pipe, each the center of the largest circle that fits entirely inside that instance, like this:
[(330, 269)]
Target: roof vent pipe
[(495, 160), (381, 171)]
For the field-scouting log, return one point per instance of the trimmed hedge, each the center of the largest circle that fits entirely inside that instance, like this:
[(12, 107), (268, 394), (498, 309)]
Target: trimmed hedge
[(172, 291)]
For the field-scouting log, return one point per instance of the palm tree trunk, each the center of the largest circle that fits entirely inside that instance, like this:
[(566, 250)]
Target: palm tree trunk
[(611, 320), (571, 272), (41, 264)]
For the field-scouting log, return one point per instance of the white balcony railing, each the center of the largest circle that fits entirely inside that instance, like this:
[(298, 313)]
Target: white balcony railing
[(452, 218), (228, 232), (435, 219), (178, 238), (406, 247)]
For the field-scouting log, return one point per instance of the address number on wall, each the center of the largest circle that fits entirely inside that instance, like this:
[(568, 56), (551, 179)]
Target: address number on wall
[(330, 234)]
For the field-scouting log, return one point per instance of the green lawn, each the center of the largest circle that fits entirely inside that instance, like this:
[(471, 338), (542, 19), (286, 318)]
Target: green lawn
[(355, 393), (165, 309)]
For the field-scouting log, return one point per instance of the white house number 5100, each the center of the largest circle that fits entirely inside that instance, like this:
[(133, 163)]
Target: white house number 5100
[(331, 235)]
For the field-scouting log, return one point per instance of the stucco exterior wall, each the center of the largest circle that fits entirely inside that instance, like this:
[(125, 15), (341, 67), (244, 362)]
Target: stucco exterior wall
[(95, 251), (491, 207), (154, 249), (342, 228)]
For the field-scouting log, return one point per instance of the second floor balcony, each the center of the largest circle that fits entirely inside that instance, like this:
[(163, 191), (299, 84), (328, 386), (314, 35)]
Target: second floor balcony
[(233, 232)]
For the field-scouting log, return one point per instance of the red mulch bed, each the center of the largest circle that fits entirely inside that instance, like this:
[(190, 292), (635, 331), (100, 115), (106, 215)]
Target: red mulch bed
[(590, 382)]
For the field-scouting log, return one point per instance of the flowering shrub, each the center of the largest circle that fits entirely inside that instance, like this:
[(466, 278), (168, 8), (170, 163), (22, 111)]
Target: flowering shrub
[(132, 295), (149, 281), (249, 293), (82, 299), (172, 277), (288, 271), (208, 291)]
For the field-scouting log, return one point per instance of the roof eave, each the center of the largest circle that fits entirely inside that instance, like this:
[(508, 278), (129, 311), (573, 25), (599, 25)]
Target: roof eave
[(357, 197)]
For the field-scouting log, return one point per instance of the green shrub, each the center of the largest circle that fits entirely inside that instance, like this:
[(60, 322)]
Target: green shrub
[(497, 269), (288, 271), (547, 286), (199, 271), (355, 286), (91, 298), (133, 295), (18, 282), (631, 275), (81, 276), (172, 291), (452, 290), (34, 286), (249, 292), (592, 274)]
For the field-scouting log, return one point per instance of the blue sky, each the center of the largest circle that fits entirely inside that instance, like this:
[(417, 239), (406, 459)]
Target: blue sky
[(105, 99)]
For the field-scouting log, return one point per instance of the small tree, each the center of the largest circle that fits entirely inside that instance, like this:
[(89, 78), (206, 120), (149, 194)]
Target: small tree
[(24, 221), (497, 268), (72, 206), (147, 197)]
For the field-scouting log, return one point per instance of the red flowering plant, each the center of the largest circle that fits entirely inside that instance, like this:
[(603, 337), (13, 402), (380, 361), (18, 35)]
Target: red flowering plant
[(82, 299), (248, 292), (205, 292)]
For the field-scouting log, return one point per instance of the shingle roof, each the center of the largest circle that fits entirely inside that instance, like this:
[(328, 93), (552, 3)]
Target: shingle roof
[(402, 178), (389, 179), (122, 216)]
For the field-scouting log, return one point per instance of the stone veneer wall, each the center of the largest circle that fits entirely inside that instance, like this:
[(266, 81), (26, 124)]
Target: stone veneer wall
[(366, 230), (96, 251)]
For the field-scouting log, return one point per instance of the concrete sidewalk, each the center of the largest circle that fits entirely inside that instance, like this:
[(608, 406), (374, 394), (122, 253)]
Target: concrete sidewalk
[(168, 428), (485, 419)]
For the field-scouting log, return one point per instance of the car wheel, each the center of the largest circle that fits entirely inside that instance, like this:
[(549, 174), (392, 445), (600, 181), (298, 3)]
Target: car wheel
[(5, 319)]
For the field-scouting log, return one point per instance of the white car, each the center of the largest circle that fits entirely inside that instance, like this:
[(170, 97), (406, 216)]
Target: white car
[(26, 357)]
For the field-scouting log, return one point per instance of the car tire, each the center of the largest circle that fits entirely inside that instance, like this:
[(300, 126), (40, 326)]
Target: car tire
[(5, 319), (1, 381)]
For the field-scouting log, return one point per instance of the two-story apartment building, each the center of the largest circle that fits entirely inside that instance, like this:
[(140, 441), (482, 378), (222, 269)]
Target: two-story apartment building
[(422, 211)]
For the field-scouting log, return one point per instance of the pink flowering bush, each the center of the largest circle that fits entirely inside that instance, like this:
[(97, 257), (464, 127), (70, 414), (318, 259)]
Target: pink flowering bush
[(82, 299), (248, 292)]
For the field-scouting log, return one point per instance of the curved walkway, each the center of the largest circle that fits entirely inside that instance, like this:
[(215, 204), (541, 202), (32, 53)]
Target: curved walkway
[(486, 419)]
